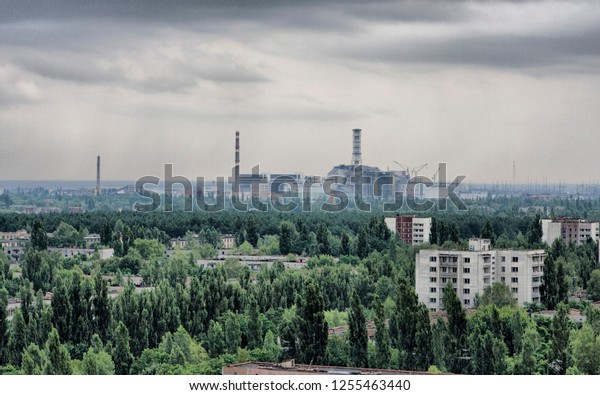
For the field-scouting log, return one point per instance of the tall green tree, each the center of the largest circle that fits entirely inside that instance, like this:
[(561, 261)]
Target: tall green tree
[(498, 294), (559, 353), (61, 309), (549, 288), (345, 244), (593, 286), (488, 232), (101, 308), (17, 340), (233, 333), (270, 347), (251, 228), (254, 324), (311, 324), (528, 358), (122, 356), (457, 330), (440, 341), (58, 360), (286, 237), (3, 325), (323, 240), (33, 360), (96, 361), (358, 339), (39, 237), (215, 340), (362, 244), (586, 350), (382, 336)]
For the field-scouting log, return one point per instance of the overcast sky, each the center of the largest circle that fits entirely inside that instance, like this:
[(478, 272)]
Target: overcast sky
[(142, 83)]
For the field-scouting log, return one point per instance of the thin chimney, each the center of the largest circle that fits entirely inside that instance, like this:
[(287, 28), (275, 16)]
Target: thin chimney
[(98, 175)]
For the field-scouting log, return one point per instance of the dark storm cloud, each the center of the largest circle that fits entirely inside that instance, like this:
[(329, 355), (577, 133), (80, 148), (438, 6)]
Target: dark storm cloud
[(85, 25), (581, 51), (189, 10), (168, 75)]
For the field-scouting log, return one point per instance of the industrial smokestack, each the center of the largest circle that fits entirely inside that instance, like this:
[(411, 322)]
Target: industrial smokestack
[(98, 175), (236, 172), (356, 155)]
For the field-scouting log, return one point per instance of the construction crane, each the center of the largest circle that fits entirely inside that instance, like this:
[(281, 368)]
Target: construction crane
[(435, 175), (412, 172), (416, 170), (402, 166)]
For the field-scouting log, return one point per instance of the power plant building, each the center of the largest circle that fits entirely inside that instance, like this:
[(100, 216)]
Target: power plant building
[(380, 183)]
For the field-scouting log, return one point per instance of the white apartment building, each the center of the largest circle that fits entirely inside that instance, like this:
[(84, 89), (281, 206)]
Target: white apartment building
[(470, 272), (570, 230), (412, 230)]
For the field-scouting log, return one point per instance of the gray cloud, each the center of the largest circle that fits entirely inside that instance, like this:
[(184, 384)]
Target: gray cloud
[(113, 75)]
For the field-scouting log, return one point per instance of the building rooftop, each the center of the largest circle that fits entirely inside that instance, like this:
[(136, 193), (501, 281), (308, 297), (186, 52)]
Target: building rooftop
[(292, 368)]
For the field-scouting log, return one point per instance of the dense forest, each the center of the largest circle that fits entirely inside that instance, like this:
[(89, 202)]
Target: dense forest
[(188, 319)]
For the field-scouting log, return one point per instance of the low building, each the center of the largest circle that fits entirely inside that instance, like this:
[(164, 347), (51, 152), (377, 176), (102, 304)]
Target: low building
[(72, 252), (18, 235), (292, 368), (412, 230), (14, 253), (255, 263), (470, 272), (106, 253)]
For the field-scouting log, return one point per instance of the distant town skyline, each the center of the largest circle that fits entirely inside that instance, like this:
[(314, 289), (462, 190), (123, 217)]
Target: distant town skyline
[(476, 85)]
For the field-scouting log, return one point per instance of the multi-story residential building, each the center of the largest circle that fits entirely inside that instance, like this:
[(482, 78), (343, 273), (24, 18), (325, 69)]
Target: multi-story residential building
[(91, 239), (470, 272), (228, 241), (18, 235), (570, 230), (412, 230)]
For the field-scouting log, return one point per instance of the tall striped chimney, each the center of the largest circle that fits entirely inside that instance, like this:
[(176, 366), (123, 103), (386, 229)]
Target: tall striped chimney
[(98, 175), (356, 155), (236, 172)]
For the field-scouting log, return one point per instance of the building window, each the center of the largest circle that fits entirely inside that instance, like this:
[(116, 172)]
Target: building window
[(444, 280), (514, 290), (467, 270), (503, 269), (433, 269), (432, 259), (535, 279), (467, 302), (514, 269), (432, 300), (503, 259), (454, 280), (514, 279), (433, 290), (444, 270), (466, 291), (467, 260), (502, 279), (454, 270), (515, 259), (486, 280), (467, 281), (433, 279)]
